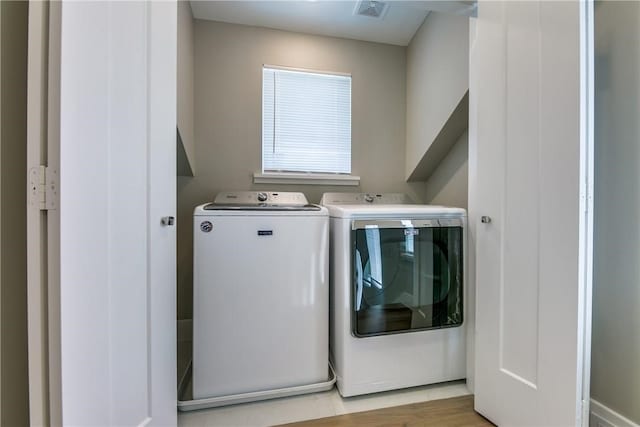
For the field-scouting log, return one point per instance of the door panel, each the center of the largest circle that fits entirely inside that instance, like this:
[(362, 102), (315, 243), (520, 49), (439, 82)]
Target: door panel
[(531, 182), (520, 199), (117, 179), (127, 255)]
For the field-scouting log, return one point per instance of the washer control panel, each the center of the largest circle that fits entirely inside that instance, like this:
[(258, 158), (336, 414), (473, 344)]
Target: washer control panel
[(260, 197)]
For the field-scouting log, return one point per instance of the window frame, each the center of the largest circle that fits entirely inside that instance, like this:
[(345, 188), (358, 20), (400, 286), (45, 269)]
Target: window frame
[(303, 177)]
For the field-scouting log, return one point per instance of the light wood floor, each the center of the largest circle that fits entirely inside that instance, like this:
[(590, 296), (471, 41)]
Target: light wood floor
[(454, 412)]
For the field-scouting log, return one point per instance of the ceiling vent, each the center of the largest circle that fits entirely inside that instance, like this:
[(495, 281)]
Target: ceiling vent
[(371, 8)]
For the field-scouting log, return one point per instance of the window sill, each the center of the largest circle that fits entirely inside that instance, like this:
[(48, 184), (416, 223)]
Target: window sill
[(305, 178)]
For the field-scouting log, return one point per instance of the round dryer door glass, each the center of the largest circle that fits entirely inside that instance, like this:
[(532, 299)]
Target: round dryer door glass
[(407, 276)]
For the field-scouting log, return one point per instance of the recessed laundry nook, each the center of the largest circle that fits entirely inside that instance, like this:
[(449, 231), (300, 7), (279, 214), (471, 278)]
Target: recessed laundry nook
[(277, 118)]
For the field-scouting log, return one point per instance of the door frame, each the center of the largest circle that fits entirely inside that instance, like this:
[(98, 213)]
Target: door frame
[(587, 139), (43, 225)]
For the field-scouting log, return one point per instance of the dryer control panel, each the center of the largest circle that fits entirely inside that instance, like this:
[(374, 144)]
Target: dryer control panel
[(365, 199)]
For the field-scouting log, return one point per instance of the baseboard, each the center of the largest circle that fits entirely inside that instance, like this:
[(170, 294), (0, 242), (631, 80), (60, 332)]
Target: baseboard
[(185, 330), (602, 416)]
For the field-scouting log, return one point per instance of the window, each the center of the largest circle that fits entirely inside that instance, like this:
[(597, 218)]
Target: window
[(306, 121)]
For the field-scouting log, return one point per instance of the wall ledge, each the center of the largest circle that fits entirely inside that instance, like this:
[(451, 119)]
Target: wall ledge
[(454, 127), (305, 178), (183, 166)]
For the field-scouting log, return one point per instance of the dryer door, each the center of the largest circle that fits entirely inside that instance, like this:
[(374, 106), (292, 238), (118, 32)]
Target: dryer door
[(407, 275)]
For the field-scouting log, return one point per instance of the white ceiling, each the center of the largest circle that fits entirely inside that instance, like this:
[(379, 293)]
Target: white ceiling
[(329, 18)]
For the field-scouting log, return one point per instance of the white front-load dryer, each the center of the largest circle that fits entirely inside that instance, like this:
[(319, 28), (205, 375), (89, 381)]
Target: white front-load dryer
[(397, 292), (260, 320)]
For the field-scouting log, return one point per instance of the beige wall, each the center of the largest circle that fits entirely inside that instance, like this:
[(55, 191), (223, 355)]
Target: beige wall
[(437, 79), (615, 371), (13, 323), (228, 82), (185, 79), (448, 185)]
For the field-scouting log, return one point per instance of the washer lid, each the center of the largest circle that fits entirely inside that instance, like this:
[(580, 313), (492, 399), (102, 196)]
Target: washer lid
[(261, 207)]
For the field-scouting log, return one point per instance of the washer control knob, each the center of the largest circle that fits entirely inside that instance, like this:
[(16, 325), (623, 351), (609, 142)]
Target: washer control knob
[(262, 197), (368, 198)]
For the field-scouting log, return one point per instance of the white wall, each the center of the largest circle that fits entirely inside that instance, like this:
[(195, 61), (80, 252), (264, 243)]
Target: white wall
[(615, 372), (14, 406), (228, 82), (437, 79), (449, 182), (185, 79)]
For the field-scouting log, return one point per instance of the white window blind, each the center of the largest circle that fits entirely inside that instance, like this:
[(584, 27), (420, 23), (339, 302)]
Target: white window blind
[(306, 122)]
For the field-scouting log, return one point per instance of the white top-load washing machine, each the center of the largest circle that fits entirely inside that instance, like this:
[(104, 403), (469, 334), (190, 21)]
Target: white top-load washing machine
[(260, 320), (397, 292)]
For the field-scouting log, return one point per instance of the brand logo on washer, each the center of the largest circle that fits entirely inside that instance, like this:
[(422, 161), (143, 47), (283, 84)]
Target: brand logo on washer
[(206, 226)]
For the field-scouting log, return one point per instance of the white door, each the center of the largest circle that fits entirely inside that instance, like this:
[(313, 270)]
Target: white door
[(111, 332), (527, 94)]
